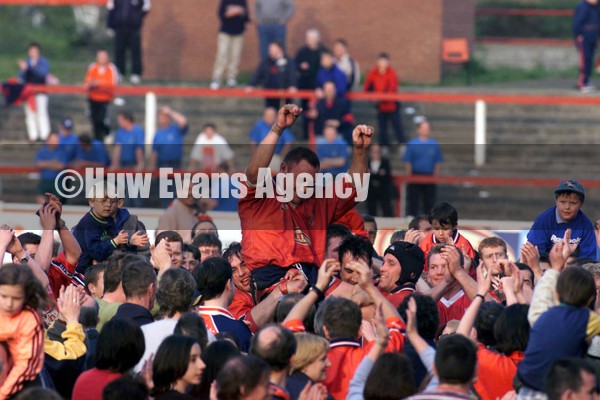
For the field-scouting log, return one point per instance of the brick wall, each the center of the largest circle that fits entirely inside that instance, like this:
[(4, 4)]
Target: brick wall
[(179, 37)]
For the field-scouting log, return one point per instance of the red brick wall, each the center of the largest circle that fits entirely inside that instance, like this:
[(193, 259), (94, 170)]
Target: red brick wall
[(179, 37)]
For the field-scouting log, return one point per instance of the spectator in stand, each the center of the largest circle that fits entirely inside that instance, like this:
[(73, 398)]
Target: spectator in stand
[(126, 17), (308, 59), (271, 17), (167, 147), (329, 72), (348, 65), (205, 224), (550, 226), (210, 150), (383, 79), (423, 156), (67, 139), (277, 71), (333, 107), (128, 151), (91, 153), (100, 81), (233, 15), (51, 159), (333, 151), (261, 129), (586, 30), (381, 184), (35, 70)]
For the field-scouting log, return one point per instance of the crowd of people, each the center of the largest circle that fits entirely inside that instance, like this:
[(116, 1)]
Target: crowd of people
[(302, 308)]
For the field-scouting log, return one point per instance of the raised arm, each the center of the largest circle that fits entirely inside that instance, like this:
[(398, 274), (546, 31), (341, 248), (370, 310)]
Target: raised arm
[(452, 256), (483, 287), (361, 139), (328, 268), (261, 158), (365, 281)]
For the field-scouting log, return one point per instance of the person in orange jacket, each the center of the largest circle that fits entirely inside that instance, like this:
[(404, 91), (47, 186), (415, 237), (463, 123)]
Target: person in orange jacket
[(100, 81)]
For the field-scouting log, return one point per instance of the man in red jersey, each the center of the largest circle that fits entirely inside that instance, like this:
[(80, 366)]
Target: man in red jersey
[(278, 238)]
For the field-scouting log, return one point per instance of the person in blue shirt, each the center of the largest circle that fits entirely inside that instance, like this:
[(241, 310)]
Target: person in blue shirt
[(35, 70), (262, 128), (51, 159), (330, 72), (68, 140), (90, 153), (333, 151), (128, 151), (586, 27), (167, 147), (423, 156), (550, 226)]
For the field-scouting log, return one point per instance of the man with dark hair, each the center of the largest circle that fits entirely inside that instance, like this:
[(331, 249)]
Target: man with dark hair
[(30, 242), (208, 244), (550, 226), (175, 295), (275, 345), (244, 377), (353, 249), (571, 378), (214, 281), (191, 257), (402, 267), (94, 280), (113, 288), (336, 233), (175, 246), (370, 227), (243, 306), (139, 286), (456, 368), (278, 237)]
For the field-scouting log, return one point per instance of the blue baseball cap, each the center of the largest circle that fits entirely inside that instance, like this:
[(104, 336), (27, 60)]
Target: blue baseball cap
[(570, 186)]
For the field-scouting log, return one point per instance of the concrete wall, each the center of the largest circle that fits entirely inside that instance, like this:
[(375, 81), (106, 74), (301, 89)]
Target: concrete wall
[(179, 38), (553, 58)]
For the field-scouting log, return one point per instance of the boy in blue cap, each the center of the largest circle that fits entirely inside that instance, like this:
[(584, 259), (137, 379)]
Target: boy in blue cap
[(550, 226)]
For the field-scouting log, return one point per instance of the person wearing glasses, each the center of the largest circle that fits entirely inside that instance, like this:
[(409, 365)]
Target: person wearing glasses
[(108, 226)]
